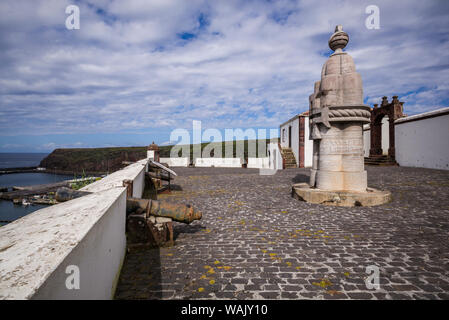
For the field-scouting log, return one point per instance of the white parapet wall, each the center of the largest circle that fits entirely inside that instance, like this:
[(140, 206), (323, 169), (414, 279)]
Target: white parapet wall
[(41, 252), (218, 162), (423, 140), (259, 163), (135, 172), (176, 162), (87, 233)]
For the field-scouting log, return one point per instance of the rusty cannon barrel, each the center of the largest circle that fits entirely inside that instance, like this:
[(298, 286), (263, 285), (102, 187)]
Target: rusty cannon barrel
[(178, 212)]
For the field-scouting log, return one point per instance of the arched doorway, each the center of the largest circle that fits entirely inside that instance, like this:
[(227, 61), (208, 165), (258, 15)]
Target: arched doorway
[(392, 111)]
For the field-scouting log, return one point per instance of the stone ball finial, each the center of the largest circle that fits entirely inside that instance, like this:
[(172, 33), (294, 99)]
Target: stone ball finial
[(339, 39)]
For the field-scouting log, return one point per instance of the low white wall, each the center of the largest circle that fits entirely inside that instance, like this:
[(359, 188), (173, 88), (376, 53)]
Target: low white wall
[(308, 145), (218, 162), (275, 157), (176, 162), (423, 140), (259, 163), (366, 140), (87, 232)]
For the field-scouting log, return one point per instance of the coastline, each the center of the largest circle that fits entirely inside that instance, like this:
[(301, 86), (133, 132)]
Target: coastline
[(49, 171)]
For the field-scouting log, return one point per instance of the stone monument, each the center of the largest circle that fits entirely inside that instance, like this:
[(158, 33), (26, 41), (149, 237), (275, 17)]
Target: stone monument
[(337, 115)]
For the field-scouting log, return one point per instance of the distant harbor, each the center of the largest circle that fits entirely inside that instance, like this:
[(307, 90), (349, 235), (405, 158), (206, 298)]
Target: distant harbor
[(44, 174), (22, 171), (10, 211)]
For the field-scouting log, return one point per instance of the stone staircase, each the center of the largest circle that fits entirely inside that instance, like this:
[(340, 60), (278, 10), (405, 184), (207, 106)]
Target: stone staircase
[(380, 161), (289, 158)]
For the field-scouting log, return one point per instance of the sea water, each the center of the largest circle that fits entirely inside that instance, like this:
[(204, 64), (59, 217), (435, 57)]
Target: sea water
[(8, 210), (19, 160)]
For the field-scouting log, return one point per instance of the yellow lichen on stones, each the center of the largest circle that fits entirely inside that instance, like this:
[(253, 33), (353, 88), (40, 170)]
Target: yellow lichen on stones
[(323, 283)]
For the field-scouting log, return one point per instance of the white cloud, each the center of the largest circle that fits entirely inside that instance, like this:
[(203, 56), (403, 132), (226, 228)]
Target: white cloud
[(250, 63)]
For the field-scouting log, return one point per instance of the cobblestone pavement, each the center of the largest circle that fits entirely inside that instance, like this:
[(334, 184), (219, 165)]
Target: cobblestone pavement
[(257, 242)]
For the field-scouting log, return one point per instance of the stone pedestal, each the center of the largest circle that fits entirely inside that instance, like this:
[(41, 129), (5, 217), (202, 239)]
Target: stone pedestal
[(337, 115), (371, 197)]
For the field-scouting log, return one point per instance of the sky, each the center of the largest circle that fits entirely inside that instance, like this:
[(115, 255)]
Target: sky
[(136, 70)]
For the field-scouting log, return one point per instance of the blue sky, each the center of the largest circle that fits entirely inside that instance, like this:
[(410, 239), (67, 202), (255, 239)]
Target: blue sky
[(136, 70)]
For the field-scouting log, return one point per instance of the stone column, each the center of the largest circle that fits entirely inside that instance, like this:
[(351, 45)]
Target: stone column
[(337, 115)]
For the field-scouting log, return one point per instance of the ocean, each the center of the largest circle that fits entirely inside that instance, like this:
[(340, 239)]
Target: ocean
[(9, 211), (19, 160)]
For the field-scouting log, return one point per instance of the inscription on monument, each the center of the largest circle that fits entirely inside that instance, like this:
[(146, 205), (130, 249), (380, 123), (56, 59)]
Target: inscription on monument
[(349, 146)]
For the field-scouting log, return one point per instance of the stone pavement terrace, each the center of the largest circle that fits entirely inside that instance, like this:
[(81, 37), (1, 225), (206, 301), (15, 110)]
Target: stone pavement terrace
[(256, 242)]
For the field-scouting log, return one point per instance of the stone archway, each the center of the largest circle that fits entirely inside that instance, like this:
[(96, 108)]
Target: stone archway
[(394, 111)]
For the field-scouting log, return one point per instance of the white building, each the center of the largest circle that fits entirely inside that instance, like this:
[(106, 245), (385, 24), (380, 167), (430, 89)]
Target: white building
[(422, 140), (295, 136)]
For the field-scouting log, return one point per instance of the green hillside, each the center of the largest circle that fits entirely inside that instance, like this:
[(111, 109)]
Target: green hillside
[(111, 159)]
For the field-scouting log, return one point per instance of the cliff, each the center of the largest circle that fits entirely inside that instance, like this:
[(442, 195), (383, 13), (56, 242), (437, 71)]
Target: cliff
[(102, 160), (92, 159)]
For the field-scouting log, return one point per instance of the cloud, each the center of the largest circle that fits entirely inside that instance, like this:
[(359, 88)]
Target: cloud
[(146, 66), (52, 145)]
